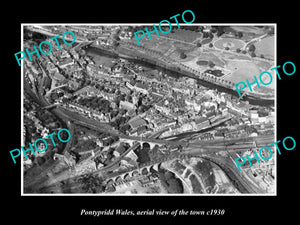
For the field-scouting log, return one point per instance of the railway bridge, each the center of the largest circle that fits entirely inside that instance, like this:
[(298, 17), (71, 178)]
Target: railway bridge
[(143, 169)]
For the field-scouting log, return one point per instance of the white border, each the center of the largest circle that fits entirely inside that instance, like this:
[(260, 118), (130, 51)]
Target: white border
[(143, 24)]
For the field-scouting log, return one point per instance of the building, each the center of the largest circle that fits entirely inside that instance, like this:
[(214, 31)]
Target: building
[(124, 90), (193, 104), (127, 105), (129, 85), (202, 122), (160, 107), (58, 77), (119, 151), (46, 82), (107, 65), (132, 156), (66, 62), (73, 84), (140, 87), (210, 114), (137, 121)]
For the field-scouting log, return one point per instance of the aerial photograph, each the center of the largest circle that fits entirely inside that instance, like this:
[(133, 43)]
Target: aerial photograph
[(151, 115)]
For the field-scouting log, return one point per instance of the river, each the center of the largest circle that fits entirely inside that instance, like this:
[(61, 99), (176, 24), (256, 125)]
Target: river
[(92, 51)]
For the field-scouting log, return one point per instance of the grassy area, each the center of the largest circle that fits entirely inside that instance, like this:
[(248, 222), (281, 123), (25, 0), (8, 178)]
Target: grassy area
[(231, 43), (249, 32), (196, 56), (265, 47), (242, 70), (197, 188), (204, 168), (206, 41), (263, 65), (202, 63), (184, 35), (249, 29), (157, 44)]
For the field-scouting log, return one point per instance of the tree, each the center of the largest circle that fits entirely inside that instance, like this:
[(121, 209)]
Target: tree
[(182, 55), (116, 37), (64, 100), (220, 30), (116, 44), (174, 184), (205, 35), (124, 128), (54, 96), (92, 183), (40, 160), (238, 50), (210, 45), (213, 30), (227, 48), (199, 44), (239, 34), (251, 48), (87, 82), (142, 154), (271, 31), (252, 54), (211, 64)]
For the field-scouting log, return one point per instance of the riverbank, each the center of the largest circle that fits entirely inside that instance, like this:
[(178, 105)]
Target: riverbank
[(174, 72)]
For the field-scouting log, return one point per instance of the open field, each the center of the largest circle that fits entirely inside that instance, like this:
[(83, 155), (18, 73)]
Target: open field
[(180, 47), (249, 32), (229, 55), (183, 47), (242, 70), (193, 64), (205, 55), (264, 65), (206, 41), (167, 46), (266, 79), (183, 35), (197, 55), (231, 43), (211, 57), (156, 44), (265, 47), (249, 29)]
